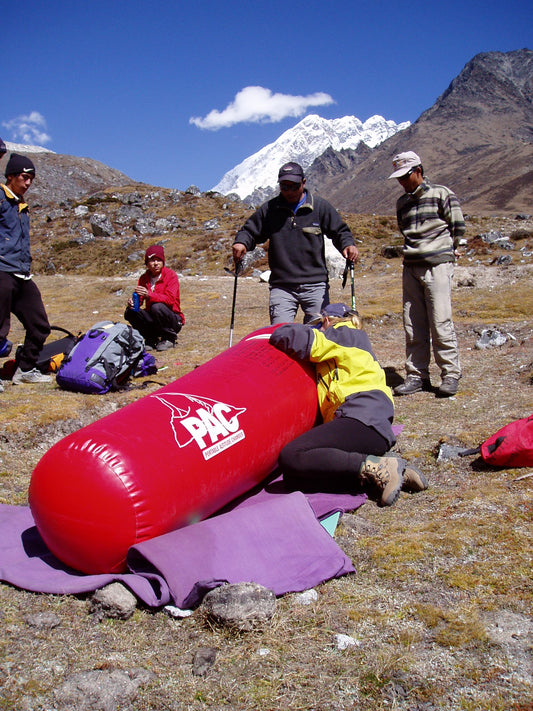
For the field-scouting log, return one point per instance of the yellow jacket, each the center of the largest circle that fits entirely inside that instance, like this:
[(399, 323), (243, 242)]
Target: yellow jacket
[(350, 381)]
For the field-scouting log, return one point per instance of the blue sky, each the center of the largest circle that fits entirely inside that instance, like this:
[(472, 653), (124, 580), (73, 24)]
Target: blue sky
[(120, 81)]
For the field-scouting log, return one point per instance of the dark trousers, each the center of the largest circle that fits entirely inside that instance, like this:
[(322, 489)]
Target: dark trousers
[(328, 457), (22, 298), (159, 322)]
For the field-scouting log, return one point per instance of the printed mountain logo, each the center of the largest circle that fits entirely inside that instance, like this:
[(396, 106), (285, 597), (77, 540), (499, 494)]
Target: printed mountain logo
[(212, 424)]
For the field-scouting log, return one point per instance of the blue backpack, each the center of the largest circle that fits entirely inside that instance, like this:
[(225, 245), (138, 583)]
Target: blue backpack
[(103, 360)]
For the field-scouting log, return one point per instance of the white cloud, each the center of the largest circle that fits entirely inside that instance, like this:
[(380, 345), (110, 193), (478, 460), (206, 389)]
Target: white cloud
[(256, 104), (30, 129)]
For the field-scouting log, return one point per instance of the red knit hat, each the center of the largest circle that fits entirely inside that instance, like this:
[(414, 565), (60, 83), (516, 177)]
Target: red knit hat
[(156, 250)]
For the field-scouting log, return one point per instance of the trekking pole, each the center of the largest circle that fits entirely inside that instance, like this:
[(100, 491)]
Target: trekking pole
[(237, 269), (350, 268), (352, 278)]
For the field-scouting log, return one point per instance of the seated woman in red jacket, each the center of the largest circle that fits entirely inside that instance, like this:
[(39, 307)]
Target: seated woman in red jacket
[(159, 291), (345, 452)]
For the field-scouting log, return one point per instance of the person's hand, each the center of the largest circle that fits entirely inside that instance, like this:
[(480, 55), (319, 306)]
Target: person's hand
[(351, 253), (239, 250), (142, 291)]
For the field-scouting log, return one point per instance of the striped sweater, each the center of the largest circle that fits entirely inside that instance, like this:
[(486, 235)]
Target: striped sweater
[(432, 224)]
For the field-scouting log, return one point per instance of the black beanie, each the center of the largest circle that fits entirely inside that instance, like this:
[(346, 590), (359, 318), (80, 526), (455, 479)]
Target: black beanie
[(19, 164)]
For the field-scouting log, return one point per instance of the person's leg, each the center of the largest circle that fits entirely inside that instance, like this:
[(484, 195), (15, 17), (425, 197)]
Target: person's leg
[(144, 323), (7, 284), (444, 339), (283, 305), (342, 455), (167, 323), (28, 307), (416, 323), (329, 456), (313, 298)]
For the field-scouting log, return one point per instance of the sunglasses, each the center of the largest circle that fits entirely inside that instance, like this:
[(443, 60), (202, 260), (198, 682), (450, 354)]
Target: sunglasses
[(410, 172)]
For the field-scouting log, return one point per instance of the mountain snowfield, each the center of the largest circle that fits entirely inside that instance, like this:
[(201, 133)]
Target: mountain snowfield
[(23, 148), (303, 143)]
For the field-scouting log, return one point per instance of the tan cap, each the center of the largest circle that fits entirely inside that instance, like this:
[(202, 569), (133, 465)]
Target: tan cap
[(403, 162)]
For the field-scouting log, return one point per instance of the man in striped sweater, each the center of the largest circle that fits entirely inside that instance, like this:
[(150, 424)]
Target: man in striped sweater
[(431, 222)]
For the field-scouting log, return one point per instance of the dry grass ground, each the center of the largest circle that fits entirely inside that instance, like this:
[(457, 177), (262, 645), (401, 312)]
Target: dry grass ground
[(441, 602)]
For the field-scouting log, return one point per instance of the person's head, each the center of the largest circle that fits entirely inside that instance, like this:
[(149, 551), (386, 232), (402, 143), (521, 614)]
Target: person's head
[(336, 313), (291, 181), (3, 149), (154, 258), (408, 170), (19, 173)]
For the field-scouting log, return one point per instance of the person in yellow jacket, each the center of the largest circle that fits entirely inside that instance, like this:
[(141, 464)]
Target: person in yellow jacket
[(345, 452)]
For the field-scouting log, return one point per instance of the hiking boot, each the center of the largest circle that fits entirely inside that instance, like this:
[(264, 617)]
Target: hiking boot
[(386, 473), (412, 384), (413, 479), (164, 345), (30, 376), (448, 387)]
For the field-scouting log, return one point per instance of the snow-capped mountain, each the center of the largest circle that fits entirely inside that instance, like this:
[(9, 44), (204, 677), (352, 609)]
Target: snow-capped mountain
[(303, 143), (23, 148)]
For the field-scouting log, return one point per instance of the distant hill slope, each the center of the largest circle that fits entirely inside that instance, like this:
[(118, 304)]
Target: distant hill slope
[(61, 178), (477, 139)]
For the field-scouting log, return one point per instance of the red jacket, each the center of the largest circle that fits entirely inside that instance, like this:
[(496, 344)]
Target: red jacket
[(166, 290)]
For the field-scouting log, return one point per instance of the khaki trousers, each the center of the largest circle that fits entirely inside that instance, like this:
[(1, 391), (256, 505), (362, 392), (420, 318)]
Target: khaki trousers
[(427, 320)]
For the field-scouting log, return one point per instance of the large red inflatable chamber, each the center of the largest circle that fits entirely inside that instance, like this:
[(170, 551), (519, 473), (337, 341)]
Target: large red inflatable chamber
[(172, 458)]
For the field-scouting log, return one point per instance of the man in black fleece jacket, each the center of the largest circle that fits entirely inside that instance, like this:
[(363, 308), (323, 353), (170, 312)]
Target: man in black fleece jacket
[(295, 223)]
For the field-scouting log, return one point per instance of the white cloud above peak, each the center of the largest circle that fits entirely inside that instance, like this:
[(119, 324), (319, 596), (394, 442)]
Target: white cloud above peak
[(28, 129), (255, 104)]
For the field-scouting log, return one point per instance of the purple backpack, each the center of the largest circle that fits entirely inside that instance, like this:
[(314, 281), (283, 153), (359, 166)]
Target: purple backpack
[(102, 360)]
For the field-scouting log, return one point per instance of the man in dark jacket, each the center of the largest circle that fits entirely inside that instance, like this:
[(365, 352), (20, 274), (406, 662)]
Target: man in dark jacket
[(18, 293), (295, 223)]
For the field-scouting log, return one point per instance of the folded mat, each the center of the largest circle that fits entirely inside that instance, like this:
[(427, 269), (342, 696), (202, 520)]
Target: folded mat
[(270, 537)]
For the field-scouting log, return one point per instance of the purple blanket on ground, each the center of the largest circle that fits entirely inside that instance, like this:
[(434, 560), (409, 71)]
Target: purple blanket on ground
[(271, 537)]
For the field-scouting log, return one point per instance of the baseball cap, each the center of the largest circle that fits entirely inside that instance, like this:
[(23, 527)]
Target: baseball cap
[(403, 162), (337, 310), (292, 172)]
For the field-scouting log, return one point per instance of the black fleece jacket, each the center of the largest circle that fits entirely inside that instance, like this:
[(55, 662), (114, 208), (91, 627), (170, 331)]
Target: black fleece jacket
[(296, 248)]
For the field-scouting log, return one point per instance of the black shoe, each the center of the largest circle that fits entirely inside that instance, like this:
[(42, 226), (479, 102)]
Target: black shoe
[(448, 387), (412, 384)]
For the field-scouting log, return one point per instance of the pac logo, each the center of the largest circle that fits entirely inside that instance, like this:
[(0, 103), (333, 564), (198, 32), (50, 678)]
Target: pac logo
[(211, 424)]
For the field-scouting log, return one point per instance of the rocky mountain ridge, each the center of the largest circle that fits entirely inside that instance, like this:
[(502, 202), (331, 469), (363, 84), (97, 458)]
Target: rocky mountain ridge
[(477, 139)]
